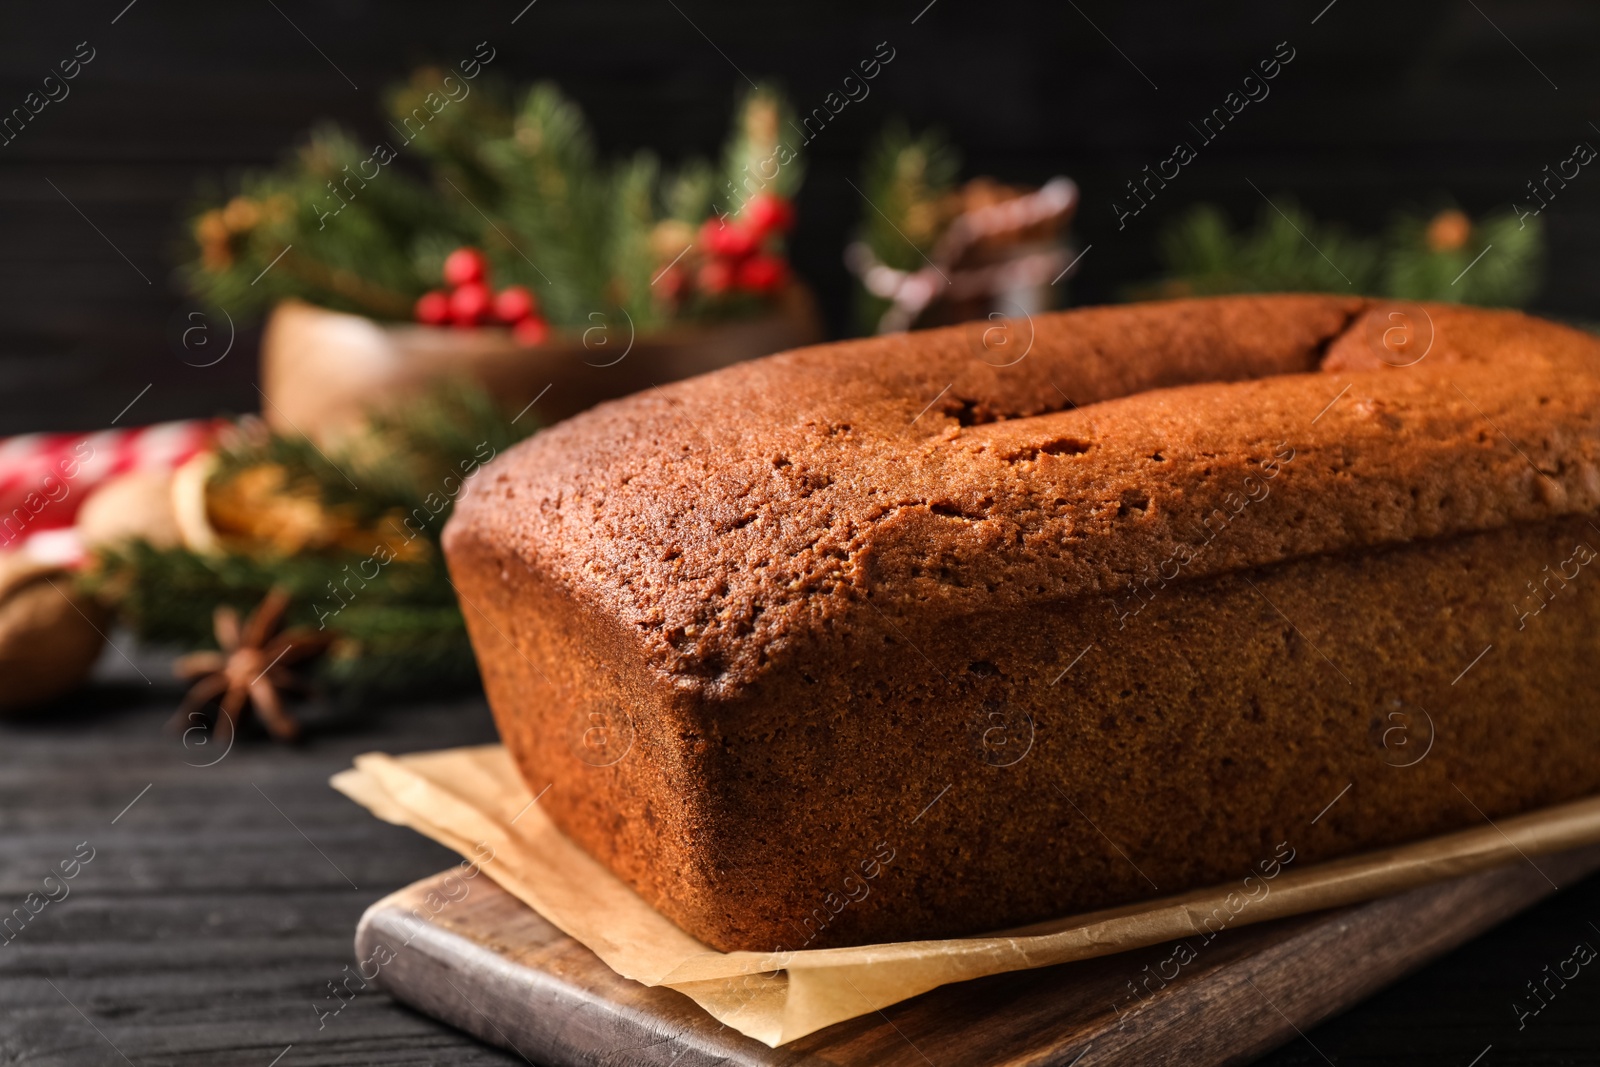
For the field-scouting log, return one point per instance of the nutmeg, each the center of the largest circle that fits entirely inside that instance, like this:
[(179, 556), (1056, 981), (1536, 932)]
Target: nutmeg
[(50, 633)]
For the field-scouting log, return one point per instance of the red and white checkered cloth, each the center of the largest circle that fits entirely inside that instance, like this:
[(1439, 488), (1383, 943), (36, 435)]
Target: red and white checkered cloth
[(45, 477)]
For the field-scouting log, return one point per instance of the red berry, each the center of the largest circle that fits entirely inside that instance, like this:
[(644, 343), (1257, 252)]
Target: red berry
[(433, 309), (716, 277), (763, 274), (709, 231), (514, 303), (767, 213), (469, 304), (732, 239), (465, 265), (531, 331)]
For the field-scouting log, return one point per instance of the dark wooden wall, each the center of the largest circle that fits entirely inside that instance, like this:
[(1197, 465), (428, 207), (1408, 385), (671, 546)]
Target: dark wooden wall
[(1385, 106)]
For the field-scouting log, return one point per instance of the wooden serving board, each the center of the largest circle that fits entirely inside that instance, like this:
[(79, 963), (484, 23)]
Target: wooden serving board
[(493, 967)]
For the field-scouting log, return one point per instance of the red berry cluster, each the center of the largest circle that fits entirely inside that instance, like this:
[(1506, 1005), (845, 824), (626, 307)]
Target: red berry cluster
[(470, 302), (737, 254)]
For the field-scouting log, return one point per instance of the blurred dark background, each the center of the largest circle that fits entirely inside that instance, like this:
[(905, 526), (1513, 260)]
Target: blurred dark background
[(1385, 107)]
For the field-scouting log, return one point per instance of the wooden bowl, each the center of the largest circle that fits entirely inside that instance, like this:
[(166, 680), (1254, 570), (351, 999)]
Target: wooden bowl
[(321, 370)]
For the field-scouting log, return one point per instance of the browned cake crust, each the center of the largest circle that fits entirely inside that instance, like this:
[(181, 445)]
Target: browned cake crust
[(882, 640)]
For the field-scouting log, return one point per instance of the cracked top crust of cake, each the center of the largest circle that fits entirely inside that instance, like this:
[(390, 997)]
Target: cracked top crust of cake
[(722, 518)]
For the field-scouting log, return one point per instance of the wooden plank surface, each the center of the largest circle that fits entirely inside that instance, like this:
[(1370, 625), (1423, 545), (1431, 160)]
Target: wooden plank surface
[(493, 967), (214, 913), (210, 923), (1393, 105)]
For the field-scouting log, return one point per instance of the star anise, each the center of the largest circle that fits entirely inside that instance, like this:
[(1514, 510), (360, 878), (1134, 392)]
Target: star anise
[(250, 670)]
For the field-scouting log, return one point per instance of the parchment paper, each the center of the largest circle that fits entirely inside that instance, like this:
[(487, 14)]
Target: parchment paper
[(472, 800)]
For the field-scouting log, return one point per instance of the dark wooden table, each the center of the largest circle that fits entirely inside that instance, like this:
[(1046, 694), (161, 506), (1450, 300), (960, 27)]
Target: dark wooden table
[(221, 902)]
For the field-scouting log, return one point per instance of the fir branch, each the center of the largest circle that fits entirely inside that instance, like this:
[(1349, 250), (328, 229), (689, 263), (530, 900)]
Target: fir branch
[(452, 136), (758, 157), (1499, 264), (398, 621), (907, 182), (687, 195), (554, 199), (1495, 261), (1288, 251), (633, 206), (342, 225), (318, 230)]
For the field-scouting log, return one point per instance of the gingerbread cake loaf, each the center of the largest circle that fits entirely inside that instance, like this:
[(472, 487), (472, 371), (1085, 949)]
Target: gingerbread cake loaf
[(926, 635)]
